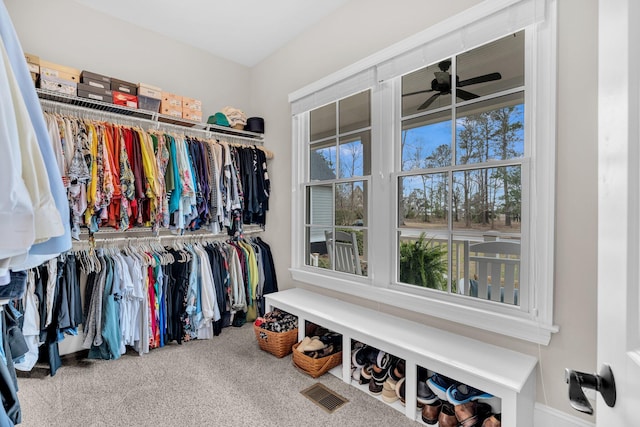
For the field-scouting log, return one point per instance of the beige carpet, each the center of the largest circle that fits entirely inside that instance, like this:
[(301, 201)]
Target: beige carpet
[(225, 381)]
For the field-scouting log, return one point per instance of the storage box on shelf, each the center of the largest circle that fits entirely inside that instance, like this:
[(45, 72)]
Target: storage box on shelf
[(123, 86), (95, 80), (51, 69), (126, 99), (55, 84), (33, 62), (96, 93), (505, 374)]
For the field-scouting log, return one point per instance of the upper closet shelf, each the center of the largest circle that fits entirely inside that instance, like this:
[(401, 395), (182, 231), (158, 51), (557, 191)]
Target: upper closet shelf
[(73, 100)]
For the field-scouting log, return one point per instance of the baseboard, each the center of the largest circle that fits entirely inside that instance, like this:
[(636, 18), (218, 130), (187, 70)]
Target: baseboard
[(546, 416)]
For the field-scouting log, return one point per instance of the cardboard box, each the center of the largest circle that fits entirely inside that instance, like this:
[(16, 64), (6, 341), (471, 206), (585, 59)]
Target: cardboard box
[(149, 91), (33, 62), (171, 101), (149, 104), (169, 111), (191, 104), (95, 96), (67, 87), (124, 87), (51, 69), (126, 99), (196, 116)]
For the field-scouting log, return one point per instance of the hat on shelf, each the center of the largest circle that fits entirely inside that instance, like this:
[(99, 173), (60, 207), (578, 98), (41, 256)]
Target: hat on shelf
[(218, 119), (237, 119), (255, 124)]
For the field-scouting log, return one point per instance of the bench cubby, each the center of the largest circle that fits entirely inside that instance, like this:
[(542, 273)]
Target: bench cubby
[(506, 374)]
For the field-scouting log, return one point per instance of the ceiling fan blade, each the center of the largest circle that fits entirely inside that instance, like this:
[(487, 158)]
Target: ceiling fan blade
[(463, 94), (480, 79), (418, 92), (429, 101)]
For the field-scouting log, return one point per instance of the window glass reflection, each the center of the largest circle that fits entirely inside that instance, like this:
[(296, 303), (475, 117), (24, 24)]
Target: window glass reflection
[(423, 201), (351, 204), (426, 89), (491, 130), (426, 141), (322, 122), (322, 162), (355, 112)]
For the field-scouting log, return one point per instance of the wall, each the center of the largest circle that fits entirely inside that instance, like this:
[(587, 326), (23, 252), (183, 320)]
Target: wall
[(362, 27), (68, 33)]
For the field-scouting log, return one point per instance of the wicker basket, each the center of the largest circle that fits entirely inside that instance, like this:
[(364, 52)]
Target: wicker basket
[(315, 367), (277, 343)]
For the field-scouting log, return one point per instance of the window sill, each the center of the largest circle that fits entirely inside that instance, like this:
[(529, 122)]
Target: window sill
[(512, 326)]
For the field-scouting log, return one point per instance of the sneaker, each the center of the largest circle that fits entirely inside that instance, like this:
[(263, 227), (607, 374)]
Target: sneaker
[(375, 388), (379, 374), (463, 393), (356, 358), (396, 372), (425, 395), (365, 374), (439, 384), (357, 374)]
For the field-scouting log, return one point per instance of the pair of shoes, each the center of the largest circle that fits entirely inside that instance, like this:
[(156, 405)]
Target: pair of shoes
[(493, 421), (396, 371), (389, 392), (375, 388), (361, 356), (305, 342), (431, 412), (447, 417), (365, 375), (319, 354), (425, 395), (462, 393), (472, 413), (314, 345), (439, 384)]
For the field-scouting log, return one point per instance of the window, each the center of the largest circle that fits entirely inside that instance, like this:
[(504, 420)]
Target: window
[(337, 193), (439, 178), (460, 173)]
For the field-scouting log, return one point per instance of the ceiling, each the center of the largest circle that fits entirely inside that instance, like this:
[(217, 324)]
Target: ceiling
[(243, 31)]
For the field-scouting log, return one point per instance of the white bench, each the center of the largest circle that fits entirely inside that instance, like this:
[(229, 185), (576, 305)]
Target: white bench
[(504, 373)]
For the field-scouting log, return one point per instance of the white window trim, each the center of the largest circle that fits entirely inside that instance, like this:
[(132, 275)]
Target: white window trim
[(535, 326)]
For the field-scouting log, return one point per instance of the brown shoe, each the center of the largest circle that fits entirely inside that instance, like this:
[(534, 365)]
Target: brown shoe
[(447, 416), (431, 412), (493, 421), (472, 413)]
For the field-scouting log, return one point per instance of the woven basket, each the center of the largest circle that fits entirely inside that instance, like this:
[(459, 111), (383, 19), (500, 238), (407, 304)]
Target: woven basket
[(277, 343), (315, 367)]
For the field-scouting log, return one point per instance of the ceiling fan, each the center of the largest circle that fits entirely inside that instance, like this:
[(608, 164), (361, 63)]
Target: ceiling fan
[(442, 85)]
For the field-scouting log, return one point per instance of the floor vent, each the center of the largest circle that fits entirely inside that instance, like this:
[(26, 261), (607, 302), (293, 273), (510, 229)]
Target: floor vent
[(325, 398)]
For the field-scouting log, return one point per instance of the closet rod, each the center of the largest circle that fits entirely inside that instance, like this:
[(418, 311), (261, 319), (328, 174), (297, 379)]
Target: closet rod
[(90, 113), (192, 237)]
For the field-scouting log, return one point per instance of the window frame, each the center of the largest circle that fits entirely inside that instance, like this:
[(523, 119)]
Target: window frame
[(535, 323)]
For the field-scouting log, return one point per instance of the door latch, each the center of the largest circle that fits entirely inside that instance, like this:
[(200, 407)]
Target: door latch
[(602, 382)]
